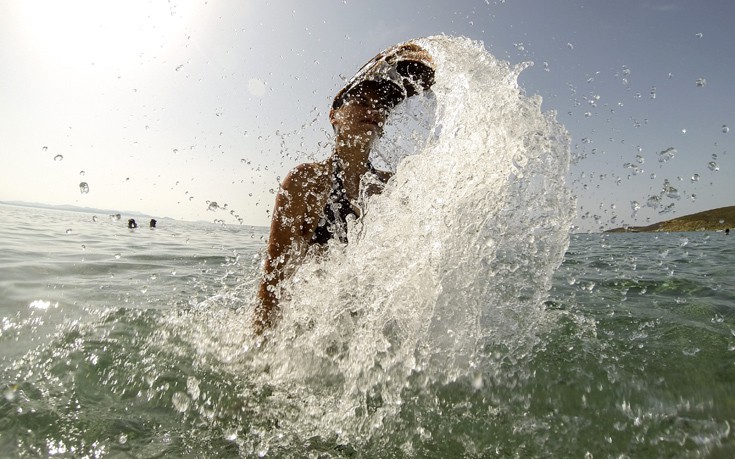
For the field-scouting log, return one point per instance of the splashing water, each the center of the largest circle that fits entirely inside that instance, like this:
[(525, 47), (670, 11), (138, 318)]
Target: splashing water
[(425, 324), (452, 259)]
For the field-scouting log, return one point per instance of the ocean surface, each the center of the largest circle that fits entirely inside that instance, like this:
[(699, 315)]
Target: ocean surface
[(462, 320), (101, 353)]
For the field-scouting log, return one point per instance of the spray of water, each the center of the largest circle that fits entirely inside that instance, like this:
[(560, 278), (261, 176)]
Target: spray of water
[(452, 259)]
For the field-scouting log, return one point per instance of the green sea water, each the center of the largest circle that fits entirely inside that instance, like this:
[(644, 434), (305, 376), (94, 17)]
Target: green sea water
[(124, 343)]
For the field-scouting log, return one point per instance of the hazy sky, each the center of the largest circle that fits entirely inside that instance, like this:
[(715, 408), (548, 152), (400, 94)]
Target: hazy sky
[(163, 106)]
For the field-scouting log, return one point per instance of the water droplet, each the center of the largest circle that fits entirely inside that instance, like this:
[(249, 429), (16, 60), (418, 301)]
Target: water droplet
[(122, 439), (81, 173), (670, 191), (44, 148), (68, 231), (84, 187), (699, 35), (683, 131), (725, 129), (570, 46), (653, 201), (695, 178), (666, 155), (94, 218), (213, 206), (117, 256), (713, 166), (635, 205), (701, 82), (640, 159), (58, 158)]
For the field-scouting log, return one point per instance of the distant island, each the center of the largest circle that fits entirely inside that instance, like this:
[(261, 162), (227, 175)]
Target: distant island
[(709, 220)]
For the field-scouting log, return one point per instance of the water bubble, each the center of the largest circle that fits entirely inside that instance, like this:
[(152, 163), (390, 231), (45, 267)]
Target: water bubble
[(83, 188), (725, 129), (701, 82), (713, 166), (58, 158), (192, 386), (695, 178), (9, 393)]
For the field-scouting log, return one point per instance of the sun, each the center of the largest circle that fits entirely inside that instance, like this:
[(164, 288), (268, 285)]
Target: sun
[(84, 31)]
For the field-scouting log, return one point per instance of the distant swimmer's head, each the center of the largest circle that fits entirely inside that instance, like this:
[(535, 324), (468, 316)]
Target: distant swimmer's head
[(392, 76)]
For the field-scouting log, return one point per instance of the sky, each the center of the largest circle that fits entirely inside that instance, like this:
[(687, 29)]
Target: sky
[(195, 110)]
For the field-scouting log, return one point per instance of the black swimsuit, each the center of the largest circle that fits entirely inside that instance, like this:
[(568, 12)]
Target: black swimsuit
[(334, 219)]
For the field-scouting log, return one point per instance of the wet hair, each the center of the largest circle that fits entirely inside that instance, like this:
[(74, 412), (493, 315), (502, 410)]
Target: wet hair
[(414, 77)]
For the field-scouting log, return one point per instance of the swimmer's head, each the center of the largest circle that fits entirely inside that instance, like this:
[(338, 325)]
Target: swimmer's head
[(395, 74)]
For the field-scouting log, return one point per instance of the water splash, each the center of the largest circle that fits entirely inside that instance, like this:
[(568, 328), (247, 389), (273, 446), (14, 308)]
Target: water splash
[(454, 258)]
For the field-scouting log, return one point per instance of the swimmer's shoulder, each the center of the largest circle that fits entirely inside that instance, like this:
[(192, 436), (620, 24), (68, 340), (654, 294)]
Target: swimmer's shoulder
[(307, 177)]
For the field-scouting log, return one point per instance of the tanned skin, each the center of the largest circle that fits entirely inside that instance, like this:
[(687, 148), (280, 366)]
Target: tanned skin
[(304, 193)]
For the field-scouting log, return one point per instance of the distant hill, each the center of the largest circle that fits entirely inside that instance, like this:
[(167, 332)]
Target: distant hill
[(709, 220)]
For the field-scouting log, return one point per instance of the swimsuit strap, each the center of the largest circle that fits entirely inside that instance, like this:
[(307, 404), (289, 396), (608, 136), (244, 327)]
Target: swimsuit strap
[(334, 218)]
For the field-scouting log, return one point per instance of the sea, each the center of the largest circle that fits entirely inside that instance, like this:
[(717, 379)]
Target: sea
[(464, 318)]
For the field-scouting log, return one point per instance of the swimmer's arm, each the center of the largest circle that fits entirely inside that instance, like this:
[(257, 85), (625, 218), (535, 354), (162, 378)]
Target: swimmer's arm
[(373, 188), (285, 242)]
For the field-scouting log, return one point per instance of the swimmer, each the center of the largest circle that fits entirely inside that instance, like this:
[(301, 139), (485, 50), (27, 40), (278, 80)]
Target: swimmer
[(153, 223), (316, 199), (132, 224)]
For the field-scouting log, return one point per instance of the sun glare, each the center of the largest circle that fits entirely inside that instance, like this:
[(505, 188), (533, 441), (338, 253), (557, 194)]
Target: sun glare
[(84, 31)]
